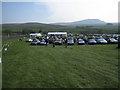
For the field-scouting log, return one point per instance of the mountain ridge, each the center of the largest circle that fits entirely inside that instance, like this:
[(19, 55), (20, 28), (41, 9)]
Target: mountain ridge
[(83, 22)]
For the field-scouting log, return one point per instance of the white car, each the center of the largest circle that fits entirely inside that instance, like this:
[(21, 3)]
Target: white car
[(58, 42), (112, 40), (101, 41), (29, 40)]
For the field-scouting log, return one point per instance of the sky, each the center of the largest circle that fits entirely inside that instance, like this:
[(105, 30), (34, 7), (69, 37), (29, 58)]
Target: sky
[(52, 11)]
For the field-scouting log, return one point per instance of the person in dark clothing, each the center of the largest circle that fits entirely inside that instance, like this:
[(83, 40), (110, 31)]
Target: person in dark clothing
[(20, 39), (53, 41), (66, 43), (74, 39), (46, 40), (53, 44)]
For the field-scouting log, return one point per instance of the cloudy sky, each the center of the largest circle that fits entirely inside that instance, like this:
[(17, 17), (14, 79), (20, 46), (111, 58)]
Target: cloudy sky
[(51, 11)]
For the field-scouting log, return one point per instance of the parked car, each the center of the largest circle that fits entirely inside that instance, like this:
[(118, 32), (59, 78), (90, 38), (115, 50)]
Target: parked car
[(112, 40), (42, 42), (70, 41), (50, 40), (101, 41), (81, 42), (35, 42), (29, 40), (58, 42), (85, 38), (92, 41), (118, 40)]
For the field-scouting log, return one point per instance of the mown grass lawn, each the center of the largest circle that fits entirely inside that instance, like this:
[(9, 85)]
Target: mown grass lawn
[(83, 66)]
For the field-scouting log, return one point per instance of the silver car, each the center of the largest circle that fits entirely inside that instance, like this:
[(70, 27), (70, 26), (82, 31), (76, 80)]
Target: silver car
[(70, 41), (81, 41), (42, 42), (35, 42), (92, 41)]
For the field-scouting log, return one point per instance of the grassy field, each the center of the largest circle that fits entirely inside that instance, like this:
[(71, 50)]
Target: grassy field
[(83, 66)]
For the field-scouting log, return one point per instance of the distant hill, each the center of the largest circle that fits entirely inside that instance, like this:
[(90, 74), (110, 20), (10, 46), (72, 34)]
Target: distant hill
[(84, 22), (34, 26), (27, 25), (83, 26)]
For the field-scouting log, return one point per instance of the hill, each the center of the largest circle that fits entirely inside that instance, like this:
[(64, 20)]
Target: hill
[(74, 27), (33, 26), (92, 22)]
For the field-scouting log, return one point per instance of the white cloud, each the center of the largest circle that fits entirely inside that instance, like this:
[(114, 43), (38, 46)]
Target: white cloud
[(73, 10)]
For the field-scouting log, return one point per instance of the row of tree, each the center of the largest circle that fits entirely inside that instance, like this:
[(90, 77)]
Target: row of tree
[(29, 30), (23, 31)]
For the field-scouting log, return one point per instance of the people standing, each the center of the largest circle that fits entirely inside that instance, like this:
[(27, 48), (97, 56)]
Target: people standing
[(46, 40), (66, 42), (53, 41)]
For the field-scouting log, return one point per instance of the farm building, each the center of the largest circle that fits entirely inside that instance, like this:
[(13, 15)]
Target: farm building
[(35, 34), (57, 33)]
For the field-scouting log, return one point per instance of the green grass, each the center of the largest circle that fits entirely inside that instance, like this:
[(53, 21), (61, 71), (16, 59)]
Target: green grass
[(83, 66)]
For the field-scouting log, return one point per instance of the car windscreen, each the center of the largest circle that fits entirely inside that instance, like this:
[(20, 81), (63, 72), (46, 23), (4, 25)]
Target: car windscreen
[(112, 39), (80, 40), (70, 38), (35, 40), (101, 39), (42, 40), (91, 39)]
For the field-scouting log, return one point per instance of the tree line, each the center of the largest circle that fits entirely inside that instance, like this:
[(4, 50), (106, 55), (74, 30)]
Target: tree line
[(23, 31)]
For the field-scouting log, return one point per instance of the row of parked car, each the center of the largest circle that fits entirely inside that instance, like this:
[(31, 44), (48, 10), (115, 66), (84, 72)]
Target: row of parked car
[(36, 41), (92, 41), (70, 40), (98, 41)]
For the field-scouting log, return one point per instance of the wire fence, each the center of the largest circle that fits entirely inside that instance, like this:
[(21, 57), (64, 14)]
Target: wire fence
[(8, 36)]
